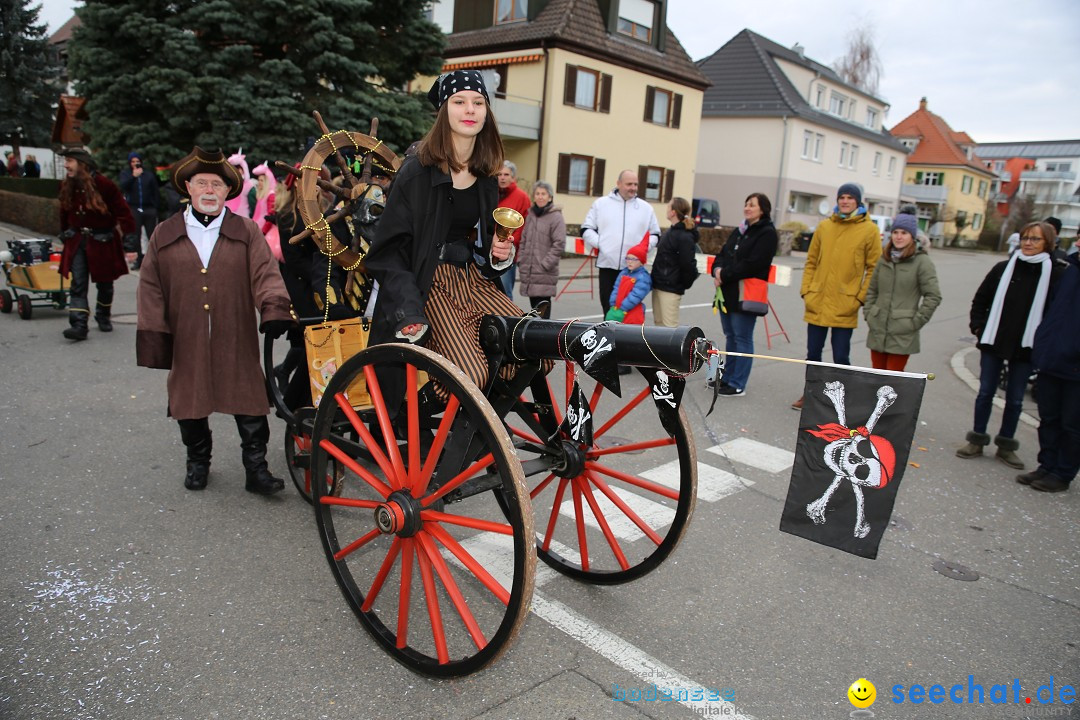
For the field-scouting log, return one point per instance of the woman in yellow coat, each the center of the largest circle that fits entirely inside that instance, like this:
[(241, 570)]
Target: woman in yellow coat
[(843, 253)]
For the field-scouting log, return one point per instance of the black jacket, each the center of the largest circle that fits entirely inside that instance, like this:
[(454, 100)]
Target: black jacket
[(675, 265), (1057, 341), (1017, 303), (412, 231), (745, 256), (130, 185)]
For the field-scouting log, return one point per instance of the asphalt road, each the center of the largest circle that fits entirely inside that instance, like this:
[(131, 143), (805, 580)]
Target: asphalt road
[(125, 596)]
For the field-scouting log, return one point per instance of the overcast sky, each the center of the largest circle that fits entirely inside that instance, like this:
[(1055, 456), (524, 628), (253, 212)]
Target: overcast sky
[(1001, 70)]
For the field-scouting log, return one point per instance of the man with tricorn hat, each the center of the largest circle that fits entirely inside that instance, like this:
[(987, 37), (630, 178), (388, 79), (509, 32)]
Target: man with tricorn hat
[(93, 214), (205, 272)]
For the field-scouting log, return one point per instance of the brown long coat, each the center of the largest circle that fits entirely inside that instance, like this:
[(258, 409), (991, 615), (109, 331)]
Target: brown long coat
[(200, 323)]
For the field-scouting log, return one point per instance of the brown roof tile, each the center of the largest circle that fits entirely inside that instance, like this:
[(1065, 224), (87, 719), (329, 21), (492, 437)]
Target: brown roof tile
[(577, 25), (938, 143)]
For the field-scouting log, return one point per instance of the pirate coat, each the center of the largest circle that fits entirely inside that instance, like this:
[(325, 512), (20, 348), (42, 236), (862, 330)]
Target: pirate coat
[(105, 259), (900, 300), (839, 264), (412, 232), (200, 323)]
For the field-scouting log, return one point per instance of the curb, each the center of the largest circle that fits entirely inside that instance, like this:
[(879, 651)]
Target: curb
[(959, 368)]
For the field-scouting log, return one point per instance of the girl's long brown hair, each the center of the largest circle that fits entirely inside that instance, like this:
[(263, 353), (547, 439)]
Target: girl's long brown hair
[(82, 181), (437, 147)]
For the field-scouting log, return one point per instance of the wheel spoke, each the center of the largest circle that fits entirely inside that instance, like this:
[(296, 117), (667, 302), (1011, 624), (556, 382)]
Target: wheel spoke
[(413, 416), (437, 446), (404, 592), (369, 441), (397, 478), (540, 488), (338, 454), (440, 534), (463, 521), (634, 480), (554, 517), (604, 527), (460, 478), (623, 412), (349, 502), (380, 577), (424, 541), (621, 504), (357, 544), (579, 520), (630, 447), (438, 632)]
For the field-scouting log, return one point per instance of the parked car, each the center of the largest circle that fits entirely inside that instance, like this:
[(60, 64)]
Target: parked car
[(884, 223), (706, 212)]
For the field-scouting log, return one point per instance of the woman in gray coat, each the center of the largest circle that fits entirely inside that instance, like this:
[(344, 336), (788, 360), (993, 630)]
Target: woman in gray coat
[(902, 297), (542, 243)]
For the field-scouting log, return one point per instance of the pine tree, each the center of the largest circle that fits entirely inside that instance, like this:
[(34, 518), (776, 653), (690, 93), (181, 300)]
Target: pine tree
[(28, 72), (164, 75)]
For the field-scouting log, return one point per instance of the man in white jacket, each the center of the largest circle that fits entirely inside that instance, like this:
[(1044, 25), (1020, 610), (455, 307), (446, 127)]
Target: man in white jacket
[(615, 223)]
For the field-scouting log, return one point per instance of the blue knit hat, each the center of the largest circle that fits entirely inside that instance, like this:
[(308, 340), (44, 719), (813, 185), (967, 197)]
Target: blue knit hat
[(906, 220), (850, 189)]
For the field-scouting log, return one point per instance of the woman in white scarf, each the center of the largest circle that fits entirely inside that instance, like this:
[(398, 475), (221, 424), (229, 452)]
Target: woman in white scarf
[(1005, 312)]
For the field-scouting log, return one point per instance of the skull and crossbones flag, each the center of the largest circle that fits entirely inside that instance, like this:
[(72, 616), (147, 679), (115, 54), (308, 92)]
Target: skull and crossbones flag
[(594, 351), (855, 434), (577, 425)]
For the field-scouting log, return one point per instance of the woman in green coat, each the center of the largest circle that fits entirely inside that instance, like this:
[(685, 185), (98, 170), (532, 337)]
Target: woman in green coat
[(902, 296)]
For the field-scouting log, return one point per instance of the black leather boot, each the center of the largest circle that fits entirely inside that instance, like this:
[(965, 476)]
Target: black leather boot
[(78, 319), (254, 434), (103, 311), (198, 441)]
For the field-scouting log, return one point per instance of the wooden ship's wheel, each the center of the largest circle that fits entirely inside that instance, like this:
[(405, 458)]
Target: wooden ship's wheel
[(347, 252)]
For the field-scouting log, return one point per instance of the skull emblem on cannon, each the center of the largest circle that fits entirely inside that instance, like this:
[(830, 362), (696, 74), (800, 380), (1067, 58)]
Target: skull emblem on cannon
[(854, 454)]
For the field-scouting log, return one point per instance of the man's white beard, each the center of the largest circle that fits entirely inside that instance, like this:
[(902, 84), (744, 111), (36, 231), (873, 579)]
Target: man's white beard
[(208, 206)]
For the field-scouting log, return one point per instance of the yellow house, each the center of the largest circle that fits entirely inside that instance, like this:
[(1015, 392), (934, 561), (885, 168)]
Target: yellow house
[(949, 183), (583, 89)]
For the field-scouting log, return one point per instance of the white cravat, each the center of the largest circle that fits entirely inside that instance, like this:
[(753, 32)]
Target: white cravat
[(203, 237)]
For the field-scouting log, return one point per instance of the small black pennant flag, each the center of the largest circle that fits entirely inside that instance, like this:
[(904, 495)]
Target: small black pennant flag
[(594, 350), (577, 425), (667, 392)]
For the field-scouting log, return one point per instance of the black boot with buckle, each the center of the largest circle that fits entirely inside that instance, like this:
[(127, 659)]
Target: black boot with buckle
[(78, 318), (254, 434), (199, 443)]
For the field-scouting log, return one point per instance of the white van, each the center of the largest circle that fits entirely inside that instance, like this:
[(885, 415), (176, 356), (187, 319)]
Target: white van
[(884, 223)]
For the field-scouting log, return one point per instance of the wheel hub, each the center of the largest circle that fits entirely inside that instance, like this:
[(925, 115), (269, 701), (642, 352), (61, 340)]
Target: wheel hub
[(572, 461), (399, 515)]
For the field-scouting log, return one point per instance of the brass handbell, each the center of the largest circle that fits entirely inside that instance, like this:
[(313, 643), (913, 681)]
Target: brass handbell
[(507, 220)]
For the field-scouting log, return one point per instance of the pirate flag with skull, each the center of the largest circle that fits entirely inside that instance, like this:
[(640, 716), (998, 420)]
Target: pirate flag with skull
[(855, 434), (594, 351)]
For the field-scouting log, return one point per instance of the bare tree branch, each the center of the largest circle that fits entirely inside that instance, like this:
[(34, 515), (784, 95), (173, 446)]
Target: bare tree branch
[(861, 65)]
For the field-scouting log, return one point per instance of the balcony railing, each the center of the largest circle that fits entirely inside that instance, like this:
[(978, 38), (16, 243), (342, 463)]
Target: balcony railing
[(518, 117), (934, 194), (1057, 175)]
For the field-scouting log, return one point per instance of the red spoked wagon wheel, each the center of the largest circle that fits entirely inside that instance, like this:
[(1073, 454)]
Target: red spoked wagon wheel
[(298, 460), (431, 539), (611, 511)]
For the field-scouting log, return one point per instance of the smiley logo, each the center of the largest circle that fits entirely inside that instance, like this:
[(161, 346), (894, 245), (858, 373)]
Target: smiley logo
[(862, 693)]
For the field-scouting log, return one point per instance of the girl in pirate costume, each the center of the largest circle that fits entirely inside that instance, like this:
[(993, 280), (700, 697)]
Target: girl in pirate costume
[(436, 256)]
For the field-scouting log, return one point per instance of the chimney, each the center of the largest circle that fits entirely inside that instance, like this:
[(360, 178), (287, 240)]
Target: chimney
[(798, 49), (922, 104)]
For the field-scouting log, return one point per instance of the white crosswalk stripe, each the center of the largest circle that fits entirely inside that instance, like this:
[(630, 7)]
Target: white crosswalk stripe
[(712, 484), (756, 454)]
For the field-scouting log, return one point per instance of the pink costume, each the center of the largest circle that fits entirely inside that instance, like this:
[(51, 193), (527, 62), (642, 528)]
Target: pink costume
[(239, 204), (265, 206)]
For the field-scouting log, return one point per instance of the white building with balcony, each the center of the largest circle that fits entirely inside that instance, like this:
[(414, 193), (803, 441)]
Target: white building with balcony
[(1051, 177)]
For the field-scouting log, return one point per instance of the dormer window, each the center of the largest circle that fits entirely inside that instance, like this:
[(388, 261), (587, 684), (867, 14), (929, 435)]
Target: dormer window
[(636, 19), (838, 105), (871, 118), (508, 11)]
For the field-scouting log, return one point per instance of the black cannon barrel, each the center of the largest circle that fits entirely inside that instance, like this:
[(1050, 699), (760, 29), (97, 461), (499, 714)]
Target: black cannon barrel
[(639, 345)]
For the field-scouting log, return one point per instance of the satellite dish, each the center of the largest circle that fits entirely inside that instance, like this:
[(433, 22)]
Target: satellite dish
[(824, 207)]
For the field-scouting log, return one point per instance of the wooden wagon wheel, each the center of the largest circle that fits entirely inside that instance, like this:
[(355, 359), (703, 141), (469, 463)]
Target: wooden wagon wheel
[(430, 540)]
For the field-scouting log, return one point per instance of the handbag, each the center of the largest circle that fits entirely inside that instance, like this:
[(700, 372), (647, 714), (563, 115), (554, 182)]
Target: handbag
[(754, 297), (329, 345)]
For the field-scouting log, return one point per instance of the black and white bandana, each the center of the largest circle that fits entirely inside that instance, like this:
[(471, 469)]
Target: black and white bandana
[(454, 82)]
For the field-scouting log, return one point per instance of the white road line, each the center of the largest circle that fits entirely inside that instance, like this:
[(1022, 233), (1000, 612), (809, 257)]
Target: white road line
[(635, 661), (653, 513), (968, 378), (756, 454), (713, 483)]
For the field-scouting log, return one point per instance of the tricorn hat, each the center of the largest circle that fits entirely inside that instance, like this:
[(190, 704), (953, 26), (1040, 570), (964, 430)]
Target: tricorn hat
[(203, 161), (81, 154)]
